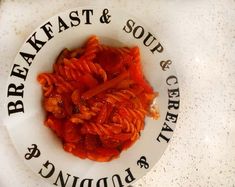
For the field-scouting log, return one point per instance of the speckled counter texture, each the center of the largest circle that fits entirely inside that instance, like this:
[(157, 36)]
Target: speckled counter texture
[(200, 38)]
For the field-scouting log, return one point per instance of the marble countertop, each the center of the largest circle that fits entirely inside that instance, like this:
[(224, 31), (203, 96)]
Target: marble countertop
[(200, 37)]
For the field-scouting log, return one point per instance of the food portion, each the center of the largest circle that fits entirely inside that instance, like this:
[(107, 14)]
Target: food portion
[(96, 99)]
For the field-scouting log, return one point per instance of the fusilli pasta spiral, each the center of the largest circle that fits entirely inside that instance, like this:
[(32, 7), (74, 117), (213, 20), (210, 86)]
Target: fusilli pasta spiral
[(96, 99)]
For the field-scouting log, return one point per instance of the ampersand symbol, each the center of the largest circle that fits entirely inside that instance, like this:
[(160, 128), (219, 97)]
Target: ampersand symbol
[(105, 17), (142, 162), (33, 152), (165, 64)]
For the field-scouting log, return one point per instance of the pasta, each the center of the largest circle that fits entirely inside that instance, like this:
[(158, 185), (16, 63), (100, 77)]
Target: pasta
[(96, 99)]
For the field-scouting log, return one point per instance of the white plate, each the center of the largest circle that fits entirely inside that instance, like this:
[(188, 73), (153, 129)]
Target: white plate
[(39, 147)]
